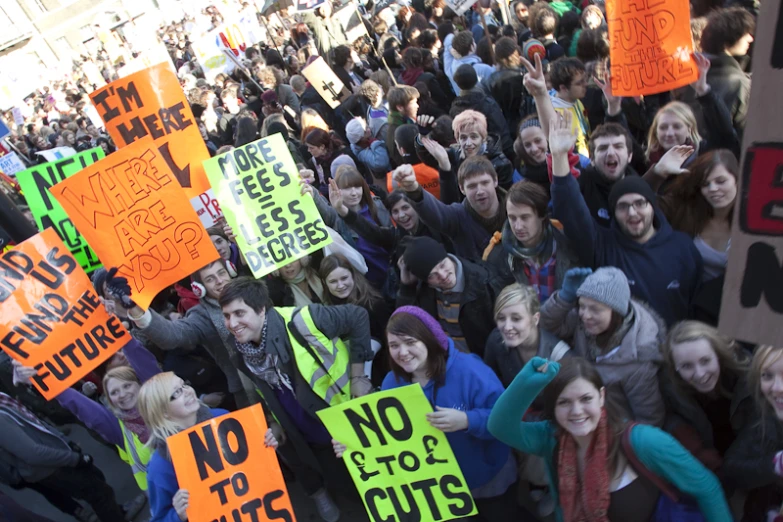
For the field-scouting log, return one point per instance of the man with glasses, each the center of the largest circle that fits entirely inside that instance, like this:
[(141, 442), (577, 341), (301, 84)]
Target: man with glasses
[(662, 265)]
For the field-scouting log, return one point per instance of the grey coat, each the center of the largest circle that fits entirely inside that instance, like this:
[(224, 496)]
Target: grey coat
[(507, 363), (630, 374)]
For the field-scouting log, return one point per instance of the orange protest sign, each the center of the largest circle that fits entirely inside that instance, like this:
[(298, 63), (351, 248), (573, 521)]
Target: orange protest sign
[(151, 103), (131, 208), (228, 471), (650, 46), (50, 317)]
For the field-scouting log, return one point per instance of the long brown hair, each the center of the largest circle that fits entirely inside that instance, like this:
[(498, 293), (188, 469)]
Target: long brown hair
[(408, 325), (363, 294), (348, 177), (571, 369), (684, 205)]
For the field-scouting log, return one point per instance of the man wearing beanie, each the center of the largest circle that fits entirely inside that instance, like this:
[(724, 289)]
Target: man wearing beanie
[(371, 152), (662, 265), (458, 293), (621, 336)]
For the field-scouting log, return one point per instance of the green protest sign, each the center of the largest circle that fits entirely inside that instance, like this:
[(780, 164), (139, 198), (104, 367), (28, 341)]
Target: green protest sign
[(35, 183), (257, 186), (403, 468)]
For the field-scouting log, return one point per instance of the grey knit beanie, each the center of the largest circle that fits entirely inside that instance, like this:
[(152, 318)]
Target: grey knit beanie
[(608, 285)]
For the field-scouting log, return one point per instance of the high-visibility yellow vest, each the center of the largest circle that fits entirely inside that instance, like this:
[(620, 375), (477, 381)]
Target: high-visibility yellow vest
[(136, 455), (324, 363)]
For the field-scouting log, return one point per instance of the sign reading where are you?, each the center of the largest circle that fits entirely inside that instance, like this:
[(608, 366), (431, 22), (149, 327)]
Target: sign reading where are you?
[(36, 182), (397, 459), (133, 212), (257, 186), (50, 317), (229, 472), (650, 46)]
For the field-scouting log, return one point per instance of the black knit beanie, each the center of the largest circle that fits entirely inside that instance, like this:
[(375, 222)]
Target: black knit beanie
[(422, 255), (630, 185)]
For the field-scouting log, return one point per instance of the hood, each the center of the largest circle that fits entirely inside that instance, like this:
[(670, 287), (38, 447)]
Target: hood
[(470, 60), (643, 340), (493, 146)]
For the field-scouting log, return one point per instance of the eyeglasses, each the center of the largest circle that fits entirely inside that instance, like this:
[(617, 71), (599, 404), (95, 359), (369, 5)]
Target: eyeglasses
[(178, 392), (638, 206)]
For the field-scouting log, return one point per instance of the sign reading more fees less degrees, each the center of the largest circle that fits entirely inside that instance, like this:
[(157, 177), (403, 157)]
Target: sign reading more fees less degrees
[(50, 317), (403, 468), (228, 471), (36, 182), (135, 215), (257, 186)]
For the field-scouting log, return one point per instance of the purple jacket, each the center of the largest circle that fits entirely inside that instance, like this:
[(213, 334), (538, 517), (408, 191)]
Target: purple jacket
[(97, 416)]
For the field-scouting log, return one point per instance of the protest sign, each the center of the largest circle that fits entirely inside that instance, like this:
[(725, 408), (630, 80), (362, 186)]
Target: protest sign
[(460, 6), (235, 36), (228, 471), (4, 130), (308, 5), (257, 186), (56, 153), (394, 453), (149, 57), (50, 317), (18, 116), (11, 164), (35, 183), (323, 80), (151, 103), (650, 46), (351, 22), (135, 215), (752, 304)]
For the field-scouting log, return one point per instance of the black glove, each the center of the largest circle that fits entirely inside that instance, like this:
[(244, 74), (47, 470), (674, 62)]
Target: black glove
[(85, 461), (119, 289)]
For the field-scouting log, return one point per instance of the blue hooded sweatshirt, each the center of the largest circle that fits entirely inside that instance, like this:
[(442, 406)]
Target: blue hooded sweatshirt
[(665, 271), (471, 386), (162, 483)]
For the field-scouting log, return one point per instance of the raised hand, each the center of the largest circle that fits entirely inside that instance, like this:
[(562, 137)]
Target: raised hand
[(336, 199), (405, 178), (670, 163), (562, 135), (613, 103), (703, 63), (306, 188), (572, 281), (119, 289), (534, 81), (437, 151), (406, 276)]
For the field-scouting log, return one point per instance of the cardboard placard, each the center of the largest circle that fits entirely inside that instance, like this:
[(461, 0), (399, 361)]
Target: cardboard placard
[(234, 36), (351, 22), (752, 305), (323, 80), (228, 471), (11, 164), (650, 46), (57, 153), (308, 5), (257, 186), (18, 116), (50, 316), (393, 452), (36, 182), (135, 215), (460, 6), (150, 103)]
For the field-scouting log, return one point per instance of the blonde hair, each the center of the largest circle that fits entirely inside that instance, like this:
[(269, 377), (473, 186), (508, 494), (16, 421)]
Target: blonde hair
[(153, 405), (764, 356), (469, 120), (515, 294), (121, 373), (730, 356), (684, 113)]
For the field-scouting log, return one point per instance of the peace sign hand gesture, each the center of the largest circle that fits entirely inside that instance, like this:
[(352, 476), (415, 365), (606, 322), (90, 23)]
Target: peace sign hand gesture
[(534, 80)]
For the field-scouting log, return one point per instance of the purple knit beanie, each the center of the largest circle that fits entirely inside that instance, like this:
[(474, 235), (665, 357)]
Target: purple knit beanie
[(430, 322)]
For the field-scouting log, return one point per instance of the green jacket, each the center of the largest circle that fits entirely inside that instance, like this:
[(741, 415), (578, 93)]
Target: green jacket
[(656, 449)]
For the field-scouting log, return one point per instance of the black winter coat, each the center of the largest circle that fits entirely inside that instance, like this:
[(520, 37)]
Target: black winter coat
[(731, 84), (507, 89)]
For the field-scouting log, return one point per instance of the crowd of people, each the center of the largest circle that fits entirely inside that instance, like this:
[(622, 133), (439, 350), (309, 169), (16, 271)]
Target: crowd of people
[(509, 234)]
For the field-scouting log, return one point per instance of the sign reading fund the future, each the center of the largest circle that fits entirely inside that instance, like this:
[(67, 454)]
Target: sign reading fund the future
[(50, 317), (229, 472), (403, 468), (36, 182), (257, 186)]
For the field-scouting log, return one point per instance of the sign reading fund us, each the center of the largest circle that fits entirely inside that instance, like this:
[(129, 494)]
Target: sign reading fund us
[(257, 186), (403, 468), (50, 317)]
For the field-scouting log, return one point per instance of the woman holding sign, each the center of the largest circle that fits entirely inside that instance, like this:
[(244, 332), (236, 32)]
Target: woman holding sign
[(168, 405), (462, 391), (601, 467)]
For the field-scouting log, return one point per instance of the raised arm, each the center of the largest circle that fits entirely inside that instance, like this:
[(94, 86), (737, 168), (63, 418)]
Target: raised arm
[(447, 219), (141, 360), (535, 83)]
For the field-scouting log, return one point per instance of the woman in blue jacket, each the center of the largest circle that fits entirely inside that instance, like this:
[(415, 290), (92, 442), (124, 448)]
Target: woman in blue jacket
[(168, 405), (582, 444), (462, 391)]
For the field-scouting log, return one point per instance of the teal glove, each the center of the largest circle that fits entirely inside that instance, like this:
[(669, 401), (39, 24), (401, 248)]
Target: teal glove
[(572, 281), (539, 371)]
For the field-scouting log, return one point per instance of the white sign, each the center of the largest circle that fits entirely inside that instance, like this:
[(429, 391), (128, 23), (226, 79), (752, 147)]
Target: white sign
[(56, 153), (323, 80), (18, 116), (460, 6), (207, 208), (235, 36), (11, 164)]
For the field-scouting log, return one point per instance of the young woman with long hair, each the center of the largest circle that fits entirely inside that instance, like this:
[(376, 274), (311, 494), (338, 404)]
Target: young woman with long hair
[(296, 284), (324, 147), (582, 442), (462, 391), (705, 389)]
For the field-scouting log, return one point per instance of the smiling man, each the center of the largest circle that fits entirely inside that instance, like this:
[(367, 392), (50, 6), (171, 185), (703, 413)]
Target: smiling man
[(458, 293), (662, 265), (301, 360)]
